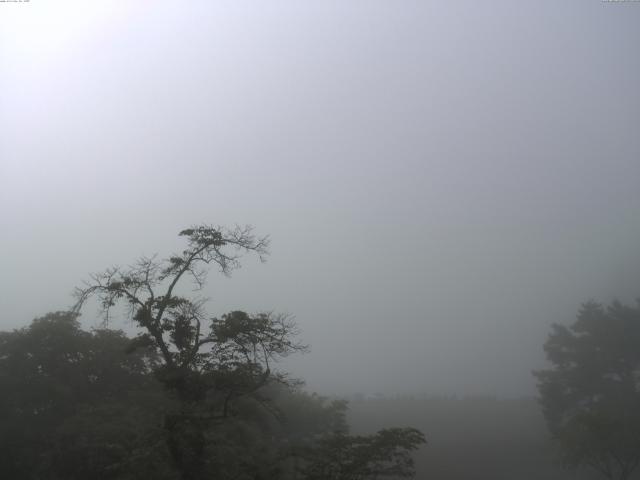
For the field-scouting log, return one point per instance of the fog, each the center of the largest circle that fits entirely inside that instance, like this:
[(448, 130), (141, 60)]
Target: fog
[(441, 181)]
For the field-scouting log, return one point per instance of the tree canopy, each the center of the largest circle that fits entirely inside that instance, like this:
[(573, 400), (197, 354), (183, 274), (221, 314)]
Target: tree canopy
[(75, 405), (591, 395)]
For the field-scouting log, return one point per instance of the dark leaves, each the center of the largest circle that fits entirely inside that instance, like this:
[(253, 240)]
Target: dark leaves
[(354, 457)]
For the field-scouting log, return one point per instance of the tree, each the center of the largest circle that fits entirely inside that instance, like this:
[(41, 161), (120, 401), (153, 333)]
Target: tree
[(591, 395), (75, 405), (221, 369), (209, 364)]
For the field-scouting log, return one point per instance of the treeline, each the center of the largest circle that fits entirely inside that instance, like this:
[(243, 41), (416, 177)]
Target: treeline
[(80, 404)]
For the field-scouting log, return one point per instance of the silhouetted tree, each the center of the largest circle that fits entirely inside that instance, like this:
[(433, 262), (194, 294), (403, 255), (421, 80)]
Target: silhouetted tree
[(221, 369), (208, 363), (591, 395)]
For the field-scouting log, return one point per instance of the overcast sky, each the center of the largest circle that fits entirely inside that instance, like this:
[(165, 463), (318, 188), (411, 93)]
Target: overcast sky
[(441, 180)]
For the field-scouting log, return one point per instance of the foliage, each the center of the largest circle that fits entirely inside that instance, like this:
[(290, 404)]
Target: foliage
[(349, 457), (591, 395), (74, 405)]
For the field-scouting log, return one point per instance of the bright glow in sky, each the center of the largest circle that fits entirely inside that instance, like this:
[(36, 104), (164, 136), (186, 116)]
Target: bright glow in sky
[(42, 29)]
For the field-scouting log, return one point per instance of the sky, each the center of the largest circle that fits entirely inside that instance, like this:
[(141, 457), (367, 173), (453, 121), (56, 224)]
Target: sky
[(441, 181)]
